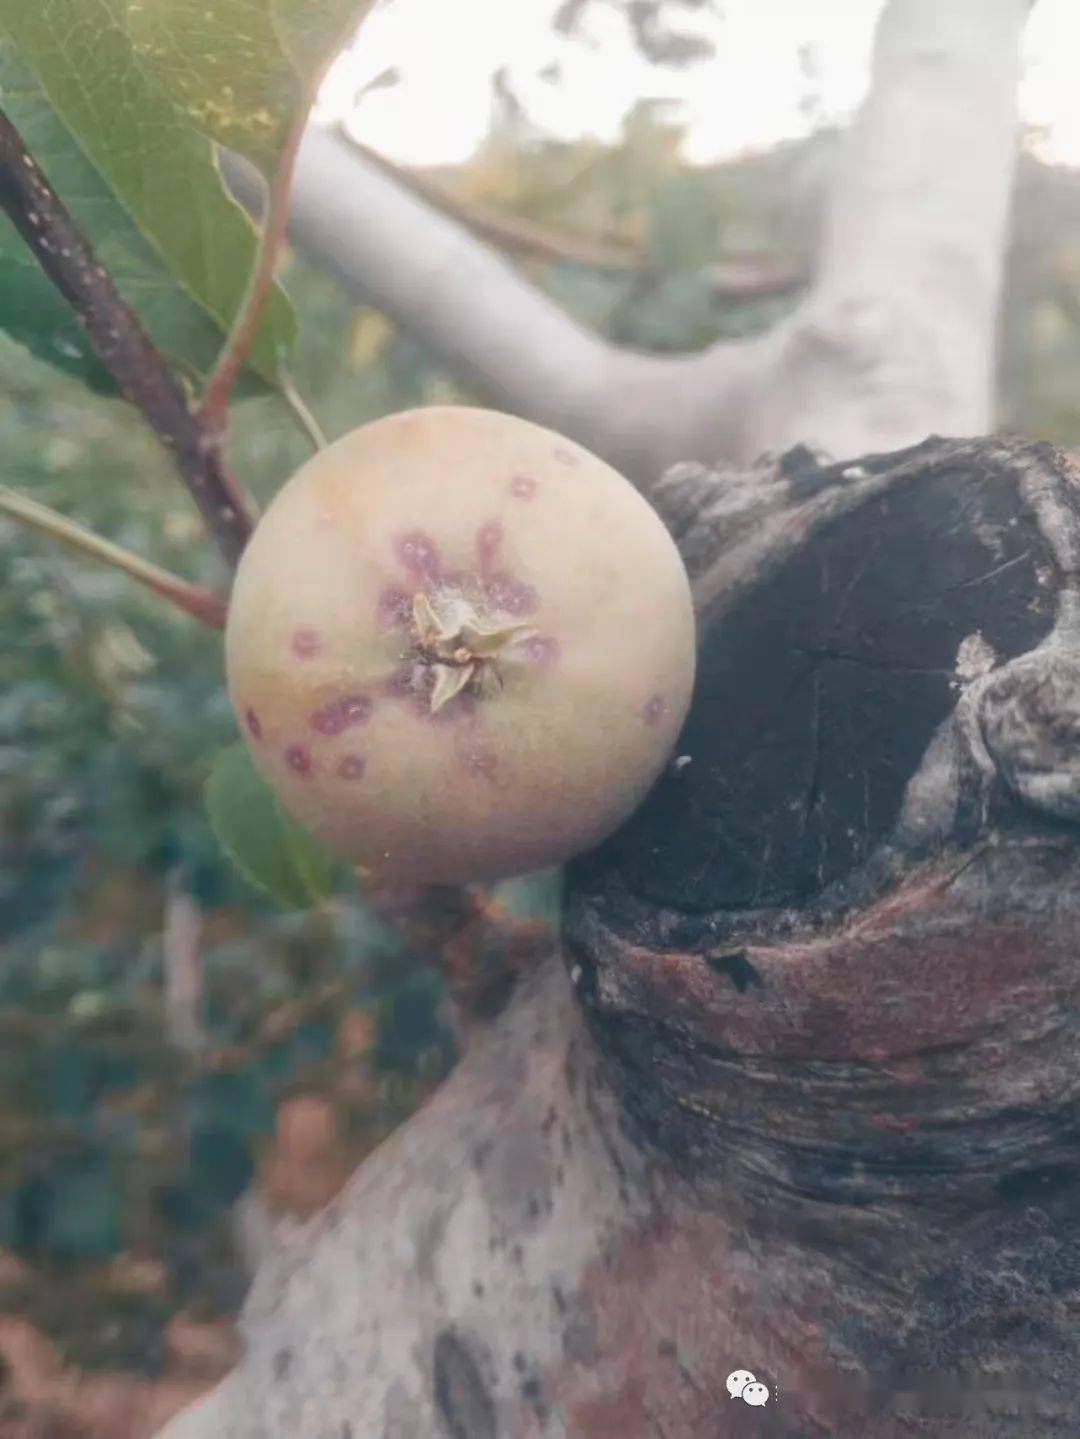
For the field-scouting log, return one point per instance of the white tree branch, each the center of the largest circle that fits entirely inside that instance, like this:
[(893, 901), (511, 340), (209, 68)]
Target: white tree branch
[(455, 295), (898, 338), (472, 309)]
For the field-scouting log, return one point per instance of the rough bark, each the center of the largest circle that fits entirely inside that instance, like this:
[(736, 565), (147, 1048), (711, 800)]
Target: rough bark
[(802, 1093), (895, 341)]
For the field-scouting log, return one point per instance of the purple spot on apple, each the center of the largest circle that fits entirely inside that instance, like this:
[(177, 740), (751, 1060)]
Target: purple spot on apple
[(564, 456), (351, 766), (488, 539), (395, 608), (339, 714), (306, 643), (253, 723), (653, 709), (523, 487), (514, 596), (481, 762), (401, 682), (298, 758), (419, 555), (542, 650)]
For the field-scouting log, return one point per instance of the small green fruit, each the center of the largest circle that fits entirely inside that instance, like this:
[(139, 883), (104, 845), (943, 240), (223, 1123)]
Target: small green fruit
[(459, 646)]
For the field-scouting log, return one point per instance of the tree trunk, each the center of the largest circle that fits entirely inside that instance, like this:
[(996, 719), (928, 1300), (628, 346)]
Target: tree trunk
[(802, 1094), (897, 338)]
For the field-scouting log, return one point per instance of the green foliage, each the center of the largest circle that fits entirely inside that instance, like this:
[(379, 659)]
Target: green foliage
[(179, 248), (680, 221), (269, 849), (241, 71)]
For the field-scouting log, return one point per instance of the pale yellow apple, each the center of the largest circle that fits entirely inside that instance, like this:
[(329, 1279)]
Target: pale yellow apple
[(459, 646)]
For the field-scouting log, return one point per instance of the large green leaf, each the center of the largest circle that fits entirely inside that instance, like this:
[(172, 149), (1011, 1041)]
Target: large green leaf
[(269, 849), (241, 70), (31, 309), (147, 158)]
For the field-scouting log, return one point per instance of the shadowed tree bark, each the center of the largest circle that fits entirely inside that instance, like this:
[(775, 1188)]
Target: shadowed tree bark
[(800, 1091)]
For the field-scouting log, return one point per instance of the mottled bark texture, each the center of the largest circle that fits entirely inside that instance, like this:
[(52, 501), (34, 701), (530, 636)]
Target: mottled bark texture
[(801, 1095)]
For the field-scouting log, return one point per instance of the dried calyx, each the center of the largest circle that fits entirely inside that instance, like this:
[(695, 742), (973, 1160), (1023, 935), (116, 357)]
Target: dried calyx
[(462, 649)]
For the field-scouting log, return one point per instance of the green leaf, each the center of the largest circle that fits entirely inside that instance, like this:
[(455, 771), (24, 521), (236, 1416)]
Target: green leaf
[(536, 896), (241, 70), (269, 849), (32, 310), (138, 177)]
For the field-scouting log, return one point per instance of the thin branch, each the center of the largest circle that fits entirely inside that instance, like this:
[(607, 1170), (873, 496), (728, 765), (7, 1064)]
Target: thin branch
[(214, 408), (203, 603), (117, 336), (301, 411)]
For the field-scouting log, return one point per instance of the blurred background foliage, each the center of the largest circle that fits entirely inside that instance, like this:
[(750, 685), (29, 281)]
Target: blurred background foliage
[(129, 1123)]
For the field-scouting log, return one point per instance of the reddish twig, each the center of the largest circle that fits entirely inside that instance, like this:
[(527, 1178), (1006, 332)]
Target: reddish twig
[(117, 336), (214, 409)]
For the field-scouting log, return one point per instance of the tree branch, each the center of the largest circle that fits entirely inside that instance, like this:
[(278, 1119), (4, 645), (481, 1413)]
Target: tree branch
[(732, 277), (895, 341), (202, 603), (474, 311), (898, 338), (428, 274), (509, 232), (120, 342)]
